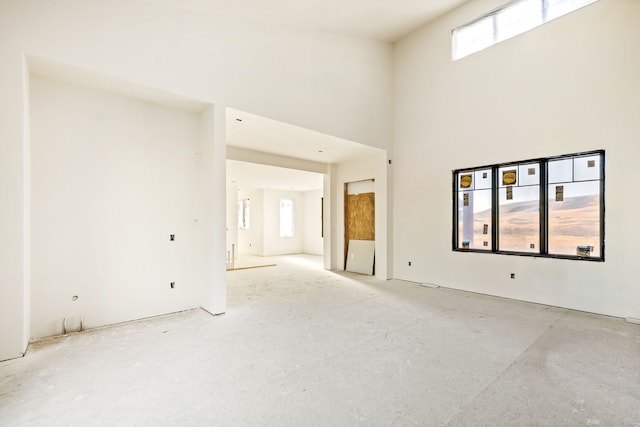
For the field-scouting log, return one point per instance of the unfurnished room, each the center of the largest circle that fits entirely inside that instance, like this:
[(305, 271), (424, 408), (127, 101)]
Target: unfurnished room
[(319, 213)]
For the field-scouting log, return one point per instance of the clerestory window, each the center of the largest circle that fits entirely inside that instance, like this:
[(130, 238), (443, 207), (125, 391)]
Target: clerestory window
[(505, 22)]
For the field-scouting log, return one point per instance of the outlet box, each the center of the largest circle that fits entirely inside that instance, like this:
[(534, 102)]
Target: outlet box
[(409, 263), (513, 275)]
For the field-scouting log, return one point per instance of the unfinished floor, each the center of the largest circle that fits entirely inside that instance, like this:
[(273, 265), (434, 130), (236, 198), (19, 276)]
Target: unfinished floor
[(300, 346)]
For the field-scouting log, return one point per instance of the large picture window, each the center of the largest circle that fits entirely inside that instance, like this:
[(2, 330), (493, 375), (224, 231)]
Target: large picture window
[(544, 207)]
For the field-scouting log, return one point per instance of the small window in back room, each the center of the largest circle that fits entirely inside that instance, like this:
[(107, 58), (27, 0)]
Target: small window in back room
[(507, 21), (243, 214), (286, 218)]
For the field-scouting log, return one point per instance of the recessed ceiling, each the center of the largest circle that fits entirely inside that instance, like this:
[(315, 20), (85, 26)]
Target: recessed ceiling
[(384, 20), (253, 176)]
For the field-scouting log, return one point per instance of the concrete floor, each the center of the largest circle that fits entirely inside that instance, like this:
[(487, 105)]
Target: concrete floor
[(300, 346)]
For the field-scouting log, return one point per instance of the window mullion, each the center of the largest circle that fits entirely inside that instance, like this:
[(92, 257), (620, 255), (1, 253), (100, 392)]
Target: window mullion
[(494, 209), (602, 208), (456, 214), (494, 21), (544, 212)]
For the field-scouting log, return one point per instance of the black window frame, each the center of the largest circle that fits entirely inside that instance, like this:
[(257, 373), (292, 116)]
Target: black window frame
[(544, 214)]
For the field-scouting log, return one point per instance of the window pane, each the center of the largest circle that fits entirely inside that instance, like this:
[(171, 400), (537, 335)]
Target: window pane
[(519, 219), (587, 168), (483, 179), (560, 170), (473, 37), (517, 18), (529, 174), (557, 8), (474, 219), (243, 214), (286, 218), (574, 218)]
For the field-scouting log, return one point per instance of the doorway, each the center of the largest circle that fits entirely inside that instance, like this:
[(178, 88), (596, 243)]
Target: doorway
[(359, 225)]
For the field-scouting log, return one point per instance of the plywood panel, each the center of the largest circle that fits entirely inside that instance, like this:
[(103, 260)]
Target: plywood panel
[(359, 218)]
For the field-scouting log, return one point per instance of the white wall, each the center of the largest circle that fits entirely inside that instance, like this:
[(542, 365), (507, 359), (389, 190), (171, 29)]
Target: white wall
[(263, 237), (296, 77), (251, 241), (232, 221), (113, 177), (331, 84), (212, 180), (569, 86), (312, 223)]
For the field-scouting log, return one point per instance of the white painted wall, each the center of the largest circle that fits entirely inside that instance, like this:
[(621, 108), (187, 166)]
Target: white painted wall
[(212, 180), (251, 241), (569, 86), (263, 237), (313, 243), (293, 76), (366, 168), (331, 84), (232, 221), (113, 177), (14, 221), (359, 187)]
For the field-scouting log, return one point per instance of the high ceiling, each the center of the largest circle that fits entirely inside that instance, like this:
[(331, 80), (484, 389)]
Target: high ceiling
[(384, 20), (381, 20)]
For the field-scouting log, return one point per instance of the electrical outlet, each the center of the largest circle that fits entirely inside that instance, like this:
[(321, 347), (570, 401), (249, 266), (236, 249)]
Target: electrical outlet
[(172, 237), (173, 285), (409, 263), (513, 275)]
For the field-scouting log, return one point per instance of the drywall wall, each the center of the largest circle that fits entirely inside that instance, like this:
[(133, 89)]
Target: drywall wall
[(263, 237), (113, 178), (232, 223), (212, 179), (568, 86), (293, 76), (14, 223), (312, 223), (251, 241), (331, 84)]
